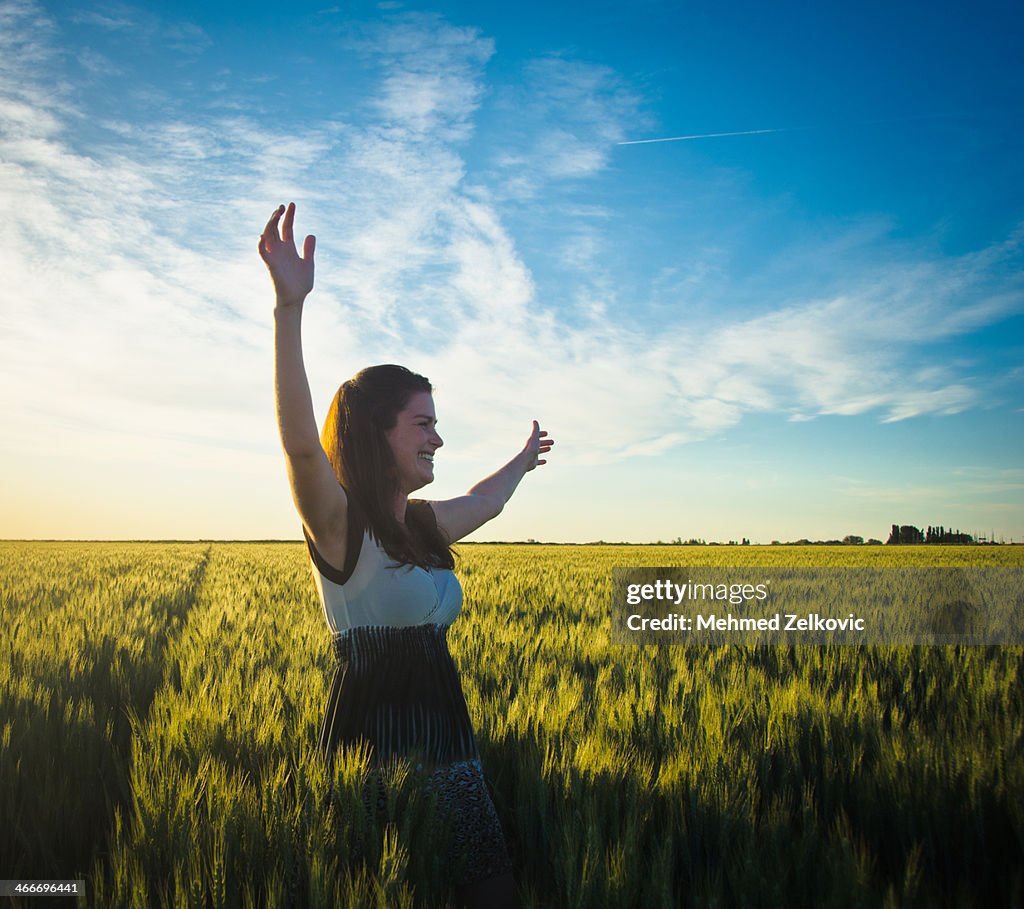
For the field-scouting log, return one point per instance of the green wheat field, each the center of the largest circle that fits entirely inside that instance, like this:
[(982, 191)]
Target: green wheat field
[(160, 706)]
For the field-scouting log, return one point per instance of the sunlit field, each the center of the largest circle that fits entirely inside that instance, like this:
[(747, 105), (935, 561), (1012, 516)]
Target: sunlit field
[(160, 706)]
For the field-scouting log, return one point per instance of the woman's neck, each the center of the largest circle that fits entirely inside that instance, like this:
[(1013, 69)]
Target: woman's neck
[(401, 503)]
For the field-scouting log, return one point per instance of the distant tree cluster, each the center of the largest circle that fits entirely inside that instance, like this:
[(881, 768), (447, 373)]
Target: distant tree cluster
[(907, 533), (946, 535)]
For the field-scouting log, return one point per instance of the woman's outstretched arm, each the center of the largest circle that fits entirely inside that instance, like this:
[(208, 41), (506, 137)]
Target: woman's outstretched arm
[(461, 516), (318, 497)]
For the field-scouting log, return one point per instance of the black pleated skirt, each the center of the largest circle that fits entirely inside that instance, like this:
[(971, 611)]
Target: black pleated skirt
[(397, 689)]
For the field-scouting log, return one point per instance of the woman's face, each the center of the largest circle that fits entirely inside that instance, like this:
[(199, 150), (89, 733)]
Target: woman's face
[(413, 441)]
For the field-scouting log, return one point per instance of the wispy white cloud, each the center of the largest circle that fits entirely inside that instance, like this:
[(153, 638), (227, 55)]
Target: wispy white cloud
[(97, 64), (110, 16), (144, 27), (561, 121), (430, 85)]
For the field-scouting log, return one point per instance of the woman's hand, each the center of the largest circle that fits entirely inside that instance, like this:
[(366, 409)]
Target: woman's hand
[(292, 274), (536, 446)]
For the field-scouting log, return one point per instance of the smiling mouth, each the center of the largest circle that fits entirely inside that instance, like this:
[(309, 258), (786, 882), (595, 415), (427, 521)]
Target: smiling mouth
[(427, 456)]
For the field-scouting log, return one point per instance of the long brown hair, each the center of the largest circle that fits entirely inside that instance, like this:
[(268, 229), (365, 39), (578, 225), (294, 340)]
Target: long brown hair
[(363, 410)]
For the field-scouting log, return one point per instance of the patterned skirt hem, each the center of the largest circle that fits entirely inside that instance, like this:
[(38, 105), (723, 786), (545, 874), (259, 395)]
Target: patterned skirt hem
[(476, 843)]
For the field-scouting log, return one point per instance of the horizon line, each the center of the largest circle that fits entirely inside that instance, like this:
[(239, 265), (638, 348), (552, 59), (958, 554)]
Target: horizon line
[(872, 541)]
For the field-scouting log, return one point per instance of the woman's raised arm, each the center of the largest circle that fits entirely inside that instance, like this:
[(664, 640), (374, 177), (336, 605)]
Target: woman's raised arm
[(318, 496), (461, 516)]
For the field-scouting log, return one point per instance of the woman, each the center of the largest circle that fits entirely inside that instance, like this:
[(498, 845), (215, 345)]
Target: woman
[(382, 564)]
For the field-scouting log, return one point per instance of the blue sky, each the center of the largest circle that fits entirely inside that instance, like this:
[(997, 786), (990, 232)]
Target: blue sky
[(810, 331)]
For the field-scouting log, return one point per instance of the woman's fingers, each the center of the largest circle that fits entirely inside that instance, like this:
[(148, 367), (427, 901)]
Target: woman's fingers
[(270, 234), (308, 246), (287, 233), (272, 223), (539, 438), (538, 444)]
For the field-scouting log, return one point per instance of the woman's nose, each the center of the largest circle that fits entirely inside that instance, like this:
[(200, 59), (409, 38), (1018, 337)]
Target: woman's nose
[(438, 441)]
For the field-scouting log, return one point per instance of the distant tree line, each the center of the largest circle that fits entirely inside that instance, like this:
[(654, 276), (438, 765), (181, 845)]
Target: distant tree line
[(908, 533), (851, 539), (901, 533)]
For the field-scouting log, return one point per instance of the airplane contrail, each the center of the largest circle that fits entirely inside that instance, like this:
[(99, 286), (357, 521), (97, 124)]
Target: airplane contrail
[(745, 132), (790, 129)]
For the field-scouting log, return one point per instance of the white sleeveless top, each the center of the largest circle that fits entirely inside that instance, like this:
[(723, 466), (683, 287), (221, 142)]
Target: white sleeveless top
[(377, 590)]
